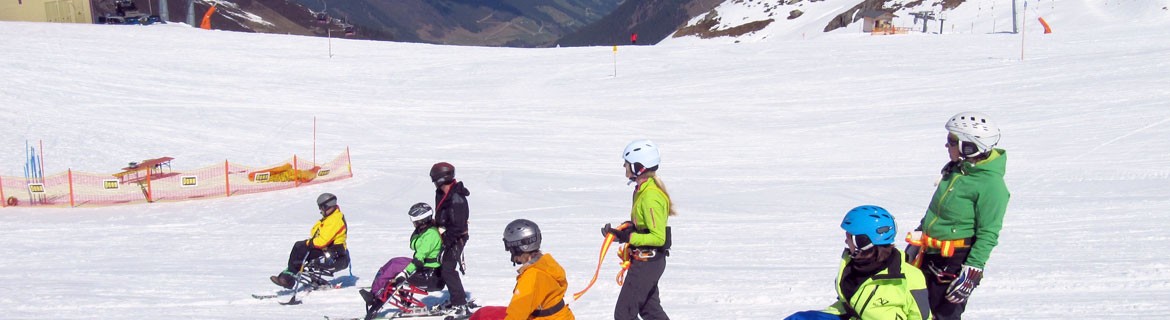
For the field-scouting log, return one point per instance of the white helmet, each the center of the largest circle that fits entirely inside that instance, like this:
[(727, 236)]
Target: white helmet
[(642, 156), (420, 213), (976, 132)]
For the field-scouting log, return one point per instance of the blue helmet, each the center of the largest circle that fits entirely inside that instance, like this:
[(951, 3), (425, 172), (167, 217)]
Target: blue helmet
[(874, 222)]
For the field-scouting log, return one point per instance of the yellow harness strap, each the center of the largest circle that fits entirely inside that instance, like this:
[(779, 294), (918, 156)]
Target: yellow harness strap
[(947, 247)]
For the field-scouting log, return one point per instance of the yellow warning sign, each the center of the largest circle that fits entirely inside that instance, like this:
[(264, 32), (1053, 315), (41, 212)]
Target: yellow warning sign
[(323, 173), (190, 181), (36, 187), (261, 177), (110, 184)]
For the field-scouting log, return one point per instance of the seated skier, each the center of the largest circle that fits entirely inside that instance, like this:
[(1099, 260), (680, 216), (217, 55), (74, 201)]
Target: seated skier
[(540, 285), (874, 281), (324, 250), (422, 270)]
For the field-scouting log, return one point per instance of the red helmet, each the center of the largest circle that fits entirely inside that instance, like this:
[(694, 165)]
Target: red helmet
[(442, 173)]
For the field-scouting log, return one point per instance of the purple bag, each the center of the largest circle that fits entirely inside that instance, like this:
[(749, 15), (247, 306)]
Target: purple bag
[(386, 276)]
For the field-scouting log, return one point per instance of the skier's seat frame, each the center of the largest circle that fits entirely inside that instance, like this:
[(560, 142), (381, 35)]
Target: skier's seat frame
[(406, 299), (317, 273)]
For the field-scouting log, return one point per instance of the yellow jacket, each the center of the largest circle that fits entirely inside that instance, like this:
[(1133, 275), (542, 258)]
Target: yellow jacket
[(329, 231), (540, 285)]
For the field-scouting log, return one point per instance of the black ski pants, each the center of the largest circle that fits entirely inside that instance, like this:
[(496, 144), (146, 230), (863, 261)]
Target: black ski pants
[(448, 270), (936, 286), (301, 252), (639, 296)]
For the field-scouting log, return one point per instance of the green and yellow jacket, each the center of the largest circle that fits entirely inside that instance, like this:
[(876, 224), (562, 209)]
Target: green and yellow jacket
[(970, 202), (649, 214), (426, 245), (896, 292)]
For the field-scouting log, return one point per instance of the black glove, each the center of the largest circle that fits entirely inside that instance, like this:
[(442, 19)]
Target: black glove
[(398, 280), (622, 236), (952, 166)]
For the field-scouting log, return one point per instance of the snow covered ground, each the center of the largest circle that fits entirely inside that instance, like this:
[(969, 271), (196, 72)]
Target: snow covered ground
[(765, 147)]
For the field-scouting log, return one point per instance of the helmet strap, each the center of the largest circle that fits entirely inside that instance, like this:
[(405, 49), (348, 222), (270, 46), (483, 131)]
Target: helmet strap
[(855, 252), (636, 170)]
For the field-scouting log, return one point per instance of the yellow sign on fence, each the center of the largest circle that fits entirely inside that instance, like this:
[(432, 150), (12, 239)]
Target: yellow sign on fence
[(190, 181), (36, 187), (110, 184), (323, 172)]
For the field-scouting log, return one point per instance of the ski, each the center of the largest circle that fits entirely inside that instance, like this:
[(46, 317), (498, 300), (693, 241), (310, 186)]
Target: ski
[(432, 313), (339, 283)]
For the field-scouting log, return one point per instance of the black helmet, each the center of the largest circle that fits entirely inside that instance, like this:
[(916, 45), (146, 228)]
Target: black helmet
[(420, 213), (326, 201), (521, 236), (442, 173)]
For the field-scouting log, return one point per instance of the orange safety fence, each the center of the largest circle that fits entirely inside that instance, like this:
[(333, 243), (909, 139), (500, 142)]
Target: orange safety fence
[(159, 183), (890, 30)]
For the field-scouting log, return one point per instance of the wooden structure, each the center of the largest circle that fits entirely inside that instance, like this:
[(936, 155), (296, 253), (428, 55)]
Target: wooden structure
[(138, 171), (69, 11), (876, 20)]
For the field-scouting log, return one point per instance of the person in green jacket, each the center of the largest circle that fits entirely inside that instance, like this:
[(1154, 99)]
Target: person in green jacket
[(646, 234), (954, 239), (423, 270), (420, 270)]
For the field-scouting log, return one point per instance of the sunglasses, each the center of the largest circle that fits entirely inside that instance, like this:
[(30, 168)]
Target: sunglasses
[(952, 140)]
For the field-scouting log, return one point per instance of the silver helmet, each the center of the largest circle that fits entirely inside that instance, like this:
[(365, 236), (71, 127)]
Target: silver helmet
[(326, 202), (521, 236)]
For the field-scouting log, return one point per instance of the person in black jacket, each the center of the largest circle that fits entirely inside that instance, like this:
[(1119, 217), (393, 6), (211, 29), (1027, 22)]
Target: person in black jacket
[(451, 215)]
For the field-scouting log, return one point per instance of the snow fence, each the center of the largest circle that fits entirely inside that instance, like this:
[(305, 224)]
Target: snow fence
[(156, 181)]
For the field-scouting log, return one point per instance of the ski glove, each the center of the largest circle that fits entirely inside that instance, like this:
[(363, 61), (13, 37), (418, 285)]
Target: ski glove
[(398, 280), (622, 235), (968, 279)]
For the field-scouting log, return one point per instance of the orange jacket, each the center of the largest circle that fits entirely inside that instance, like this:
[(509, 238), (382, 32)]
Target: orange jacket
[(540, 285)]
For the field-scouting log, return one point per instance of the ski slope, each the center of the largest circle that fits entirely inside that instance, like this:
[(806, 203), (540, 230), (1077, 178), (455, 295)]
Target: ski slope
[(765, 146)]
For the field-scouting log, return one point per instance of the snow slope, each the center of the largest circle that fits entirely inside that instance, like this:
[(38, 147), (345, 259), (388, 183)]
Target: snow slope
[(765, 146)]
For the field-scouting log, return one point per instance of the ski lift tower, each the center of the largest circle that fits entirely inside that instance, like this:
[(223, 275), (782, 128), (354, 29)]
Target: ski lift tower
[(926, 17), (1015, 19)]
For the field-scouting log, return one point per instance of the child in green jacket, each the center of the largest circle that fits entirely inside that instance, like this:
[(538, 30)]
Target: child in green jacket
[(874, 281)]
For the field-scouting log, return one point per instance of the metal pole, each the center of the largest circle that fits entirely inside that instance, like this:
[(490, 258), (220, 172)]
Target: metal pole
[(328, 32), (163, 10), (1015, 20), (1023, 34), (191, 13)]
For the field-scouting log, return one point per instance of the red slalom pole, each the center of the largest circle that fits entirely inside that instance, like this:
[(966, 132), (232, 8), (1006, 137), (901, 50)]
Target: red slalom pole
[(227, 183), (71, 204)]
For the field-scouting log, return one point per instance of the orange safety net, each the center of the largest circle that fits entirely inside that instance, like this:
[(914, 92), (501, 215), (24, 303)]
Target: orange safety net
[(161, 183)]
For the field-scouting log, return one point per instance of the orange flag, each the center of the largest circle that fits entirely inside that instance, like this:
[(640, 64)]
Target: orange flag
[(1045, 24), (206, 25)]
